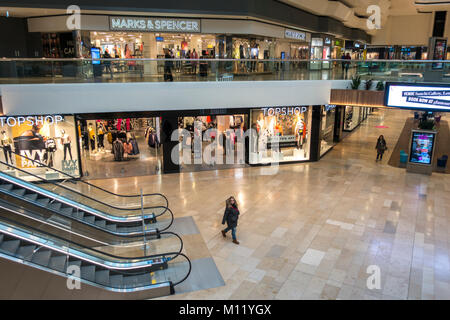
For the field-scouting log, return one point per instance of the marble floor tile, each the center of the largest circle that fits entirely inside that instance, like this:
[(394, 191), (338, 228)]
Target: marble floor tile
[(312, 257)]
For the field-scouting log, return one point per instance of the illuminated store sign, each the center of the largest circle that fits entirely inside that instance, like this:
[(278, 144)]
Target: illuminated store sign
[(329, 107), (284, 111), (292, 34), (30, 120), (154, 24), (423, 97)]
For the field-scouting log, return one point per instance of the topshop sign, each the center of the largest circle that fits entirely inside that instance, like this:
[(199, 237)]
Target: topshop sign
[(283, 111), (154, 24), (30, 120)]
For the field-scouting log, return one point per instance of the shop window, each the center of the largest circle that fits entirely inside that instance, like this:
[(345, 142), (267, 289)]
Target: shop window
[(48, 140), (327, 128), (353, 117), (280, 134), (121, 147)]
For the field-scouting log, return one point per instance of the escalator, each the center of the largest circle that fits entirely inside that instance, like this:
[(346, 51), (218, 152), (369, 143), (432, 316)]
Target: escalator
[(28, 251), (80, 202)]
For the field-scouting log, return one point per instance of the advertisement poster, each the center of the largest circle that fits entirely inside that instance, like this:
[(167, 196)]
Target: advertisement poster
[(422, 148), (418, 97), (440, 50)]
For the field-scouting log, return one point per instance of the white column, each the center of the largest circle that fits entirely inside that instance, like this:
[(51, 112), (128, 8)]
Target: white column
[(150, 51)]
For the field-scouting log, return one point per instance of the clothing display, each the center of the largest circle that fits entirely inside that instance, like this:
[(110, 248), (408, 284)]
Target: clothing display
[(50, 148), (7, 150), (118, 150)]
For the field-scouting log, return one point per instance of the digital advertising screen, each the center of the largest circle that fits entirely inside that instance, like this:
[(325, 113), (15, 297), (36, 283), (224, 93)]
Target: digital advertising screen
[(95, 54), (425, 97), (422, 145)]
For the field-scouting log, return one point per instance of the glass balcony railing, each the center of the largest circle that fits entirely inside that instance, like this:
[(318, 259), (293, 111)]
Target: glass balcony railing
[(18, 71)]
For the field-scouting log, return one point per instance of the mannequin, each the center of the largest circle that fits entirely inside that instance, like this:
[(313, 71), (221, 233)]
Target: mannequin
[(6, 143), (65, 141), (50, 148), (92, 137), (101, 135)]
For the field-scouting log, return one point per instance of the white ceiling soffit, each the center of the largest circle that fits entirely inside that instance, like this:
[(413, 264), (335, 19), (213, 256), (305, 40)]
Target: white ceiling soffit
[(352, 13)]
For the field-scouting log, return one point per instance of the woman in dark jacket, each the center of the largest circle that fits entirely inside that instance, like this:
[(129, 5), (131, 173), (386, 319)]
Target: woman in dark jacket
[(381, 147), (231, 216)]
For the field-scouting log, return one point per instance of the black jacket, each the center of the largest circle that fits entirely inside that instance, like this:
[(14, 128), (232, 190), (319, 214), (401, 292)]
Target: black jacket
[(231, 217)]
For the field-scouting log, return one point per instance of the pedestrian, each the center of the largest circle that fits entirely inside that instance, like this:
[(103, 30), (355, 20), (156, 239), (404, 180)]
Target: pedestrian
[(381, 147), (194, 57), (168, 64), (347, 64), (231, 217), (107, 63), (343, 63)]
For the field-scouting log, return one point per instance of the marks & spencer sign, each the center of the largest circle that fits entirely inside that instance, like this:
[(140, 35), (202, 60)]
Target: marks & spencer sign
[(154, 24)]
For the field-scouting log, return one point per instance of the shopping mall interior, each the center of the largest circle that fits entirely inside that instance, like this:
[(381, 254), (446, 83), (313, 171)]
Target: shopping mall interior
[(253, 150)]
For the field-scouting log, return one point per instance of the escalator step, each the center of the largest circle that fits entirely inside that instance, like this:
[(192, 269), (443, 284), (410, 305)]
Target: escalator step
[(58, 263), (116, 281), (75, 263), (42, 257), (43, 201), (101, 223), (78, 215), (55, 206), (10, 246), (1, 238), (112, 227), (89, 219), (25, 252), (67, 211), (6, 186), (135, 229), (88, 272), (144, 279), (31, 196), (19, 191), (102, 277)]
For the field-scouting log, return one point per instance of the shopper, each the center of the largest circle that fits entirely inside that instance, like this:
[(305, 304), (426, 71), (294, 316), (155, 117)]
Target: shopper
[(347, 64), (343, 63), (168, 64), (107, 63), (381, 147), (194, 56), (231, 217)]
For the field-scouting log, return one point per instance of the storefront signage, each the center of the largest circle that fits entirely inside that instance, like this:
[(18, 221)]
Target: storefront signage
[(154, 24), (30, 120), (423, 97), (317, 42), (284, 111), (297, 35), (327, 41)]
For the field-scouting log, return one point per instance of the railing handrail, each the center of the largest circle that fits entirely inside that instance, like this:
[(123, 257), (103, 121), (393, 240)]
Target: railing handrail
[(215, 60), (89, 184)]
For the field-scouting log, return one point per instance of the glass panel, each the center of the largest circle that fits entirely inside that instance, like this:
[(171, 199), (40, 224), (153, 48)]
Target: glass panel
[(327, 128)]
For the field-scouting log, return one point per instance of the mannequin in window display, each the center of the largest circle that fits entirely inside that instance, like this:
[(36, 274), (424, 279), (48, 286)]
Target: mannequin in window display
[(50, 149), (66, 142), (101, 135), (91, 133), (7, 147), (299, 132)]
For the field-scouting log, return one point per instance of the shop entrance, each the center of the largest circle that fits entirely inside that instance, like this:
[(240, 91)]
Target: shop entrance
[(124, 147), (194, 154)]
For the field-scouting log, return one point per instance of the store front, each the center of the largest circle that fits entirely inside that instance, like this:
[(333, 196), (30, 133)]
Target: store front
[(354, 116), (113, 146), (327, 131), (282, 134), (49, 140), (212, 142), (321, 48)]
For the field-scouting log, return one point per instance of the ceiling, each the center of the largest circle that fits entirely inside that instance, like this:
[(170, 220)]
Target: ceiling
[(353, 13)]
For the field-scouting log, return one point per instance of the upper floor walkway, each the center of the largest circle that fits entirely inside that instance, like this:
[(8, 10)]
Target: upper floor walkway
[(29, 71)]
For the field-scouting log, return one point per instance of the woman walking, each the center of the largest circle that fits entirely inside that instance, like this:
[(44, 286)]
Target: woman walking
[(231, 217), (381, 147)]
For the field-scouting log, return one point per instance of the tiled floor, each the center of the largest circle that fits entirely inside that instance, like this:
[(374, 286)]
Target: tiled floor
[(312, 230)]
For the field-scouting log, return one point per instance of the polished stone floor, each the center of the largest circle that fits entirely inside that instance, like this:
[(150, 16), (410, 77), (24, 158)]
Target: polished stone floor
[(312, 230)]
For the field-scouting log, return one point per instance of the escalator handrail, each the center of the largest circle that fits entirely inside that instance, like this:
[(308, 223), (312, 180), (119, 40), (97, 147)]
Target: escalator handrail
[(41, 232), (79, 193), (87, 183)]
